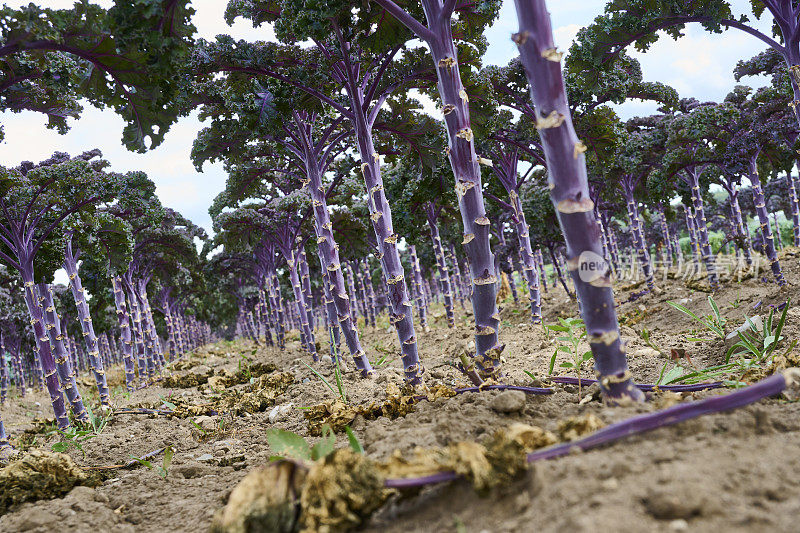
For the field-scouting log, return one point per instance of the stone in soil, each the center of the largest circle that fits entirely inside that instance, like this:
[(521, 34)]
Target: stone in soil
[(509, 401)]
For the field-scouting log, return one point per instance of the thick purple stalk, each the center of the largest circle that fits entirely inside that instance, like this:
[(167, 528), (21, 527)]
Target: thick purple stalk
[(60, 355), (612, 237), (330, 313), (540, 269), (352, 293), (300, 302), (136, 329), (778, 239), (678, 251), (741, 230), (125, 331), (505, 169), (370, 290), (691, 178), (180, 336), (526, 255), (639, 241), (361, 291), (512, 282), (329, 253), (280, 312), (444, 274), (251, 326), (464, 162), (305, 281), (3, 372), (85, 320), (667, 240), (763, 218), (388, 255), (149, 336), (458, 280), (422, 304), (559, 273), (692, 229), (265, 316), (275, 306), (794, 203), (104, 355), (570, 194), (150, 332), (19, 370), (172, 343), (609, 245)]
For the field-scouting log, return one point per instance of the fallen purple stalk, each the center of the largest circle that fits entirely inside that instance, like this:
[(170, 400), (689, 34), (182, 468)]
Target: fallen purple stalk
[(142, 411), (766, 388), (670, 416), (567, 380), (526, 390)]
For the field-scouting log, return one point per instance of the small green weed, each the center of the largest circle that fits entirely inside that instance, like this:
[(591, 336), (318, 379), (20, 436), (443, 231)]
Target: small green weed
[(572, 332), (289, 445), (162, 469)]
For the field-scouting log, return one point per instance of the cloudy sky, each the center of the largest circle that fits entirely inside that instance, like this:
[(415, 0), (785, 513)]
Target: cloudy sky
[(698, 65)]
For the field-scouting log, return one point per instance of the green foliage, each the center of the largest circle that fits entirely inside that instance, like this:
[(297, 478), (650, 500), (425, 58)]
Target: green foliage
[(130, 58), (78, 435), (43, 200), (755, 350), (355, 444), (570, 332), (637, 22), (713, 322), (337, 373), (289, 445), (163, 469), (760, 344)]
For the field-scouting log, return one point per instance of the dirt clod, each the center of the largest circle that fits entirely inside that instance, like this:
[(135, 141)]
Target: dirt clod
[(265, 500), (340, 491), (38, 475), (671, 504), (576, 427)]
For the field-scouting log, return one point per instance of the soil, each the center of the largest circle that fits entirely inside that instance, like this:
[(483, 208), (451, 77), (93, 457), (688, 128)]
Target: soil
[(734, 471)]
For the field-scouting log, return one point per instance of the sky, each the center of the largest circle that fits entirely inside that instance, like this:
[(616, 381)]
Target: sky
[(698, 65)]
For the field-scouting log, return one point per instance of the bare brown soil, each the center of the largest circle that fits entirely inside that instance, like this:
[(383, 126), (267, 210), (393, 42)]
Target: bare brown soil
[(727, 472)]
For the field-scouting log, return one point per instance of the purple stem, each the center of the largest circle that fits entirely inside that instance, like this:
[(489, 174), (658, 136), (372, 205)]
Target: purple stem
[(795, 207), (526, 390), (639, 241), (570, 196), (766, 229), (125, 331), (60, 355), (692, 179), (770, 386), (302, 309), (444, 275), (644, 387), (422, 303), (85, 320)]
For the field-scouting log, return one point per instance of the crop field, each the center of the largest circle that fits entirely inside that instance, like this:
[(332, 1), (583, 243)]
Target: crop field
[(369, 266)]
